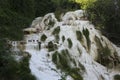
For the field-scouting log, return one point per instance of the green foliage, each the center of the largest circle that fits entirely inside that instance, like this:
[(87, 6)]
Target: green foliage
[(86, 34), (55, 56), (51, 23), (14, 16), (63, 61), (56, 30), (105, 15), (57, 38), (23, 7), (69, 43), (63, 38), (79, 35), (43, 7), (85, 3), (117, 77), (63, 6), (58, 13), (51, 46), (56, 33), (11, 69), (11, 21), (66, 4), (104, 54), (43, 37)]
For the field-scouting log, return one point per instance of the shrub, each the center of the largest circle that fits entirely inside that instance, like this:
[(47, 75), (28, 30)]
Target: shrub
[(104, 14), (86, 34), (57, 38), (63, 60), (43, 37), (56, 30), (51, 23), (12, 69), (69, 43), (79, 35), (103, 54), (56, 33), (50, 46)]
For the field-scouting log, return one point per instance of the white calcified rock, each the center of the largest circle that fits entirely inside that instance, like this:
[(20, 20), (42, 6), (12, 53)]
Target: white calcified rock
[(75, 41)]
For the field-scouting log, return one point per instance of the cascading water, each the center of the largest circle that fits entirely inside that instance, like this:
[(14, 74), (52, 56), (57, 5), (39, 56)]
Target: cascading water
[(71, 49)]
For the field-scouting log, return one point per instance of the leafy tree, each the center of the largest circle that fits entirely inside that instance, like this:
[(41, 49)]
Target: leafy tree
[(85, 3), (43, 7), (66, 4), (14, 16), (23, 7), (105, 15), (10, 69)]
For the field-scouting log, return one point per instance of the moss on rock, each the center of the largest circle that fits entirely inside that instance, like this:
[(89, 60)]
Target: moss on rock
[(56, 30), (79, 36), (50, 46), (43, 37), (86, 34), (104, 54), (69, 43), (63, 61)]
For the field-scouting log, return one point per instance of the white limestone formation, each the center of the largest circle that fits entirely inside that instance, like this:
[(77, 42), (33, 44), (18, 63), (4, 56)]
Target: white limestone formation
[(71, 49)]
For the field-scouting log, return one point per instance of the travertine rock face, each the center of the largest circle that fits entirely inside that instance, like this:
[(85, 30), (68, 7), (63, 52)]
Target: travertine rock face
[(70, 49)]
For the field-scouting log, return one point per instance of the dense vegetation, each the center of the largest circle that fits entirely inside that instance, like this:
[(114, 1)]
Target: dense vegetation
[(14, 16), (105, 15), (10, 69)]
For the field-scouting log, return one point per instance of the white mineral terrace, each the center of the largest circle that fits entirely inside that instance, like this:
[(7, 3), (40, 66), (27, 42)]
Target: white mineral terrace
[(84, 52)]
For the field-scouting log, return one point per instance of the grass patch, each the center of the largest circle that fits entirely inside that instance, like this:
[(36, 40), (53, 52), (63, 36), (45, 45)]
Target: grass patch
[(106, 51), (63, 60), (69, 43), (55, 57), (75, 74), (103, 53), (79, 36), (56, 30), (56, 33), (105, 60), (86, 34), (43, 37), (57, 38)]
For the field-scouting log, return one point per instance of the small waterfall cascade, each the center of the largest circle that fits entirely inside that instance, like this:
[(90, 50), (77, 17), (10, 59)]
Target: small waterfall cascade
[(70, 48)]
